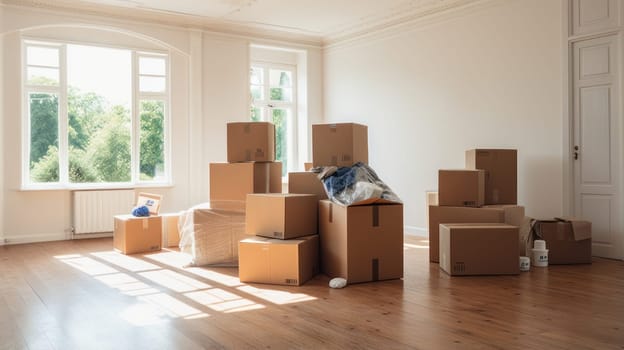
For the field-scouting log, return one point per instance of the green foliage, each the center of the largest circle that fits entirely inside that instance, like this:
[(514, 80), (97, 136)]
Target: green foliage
[(99, 139), (47, 168), (109, 147), (43, 125), (152, 137)]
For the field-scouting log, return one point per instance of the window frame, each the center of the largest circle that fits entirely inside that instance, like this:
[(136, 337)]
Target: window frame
[(267, 106), (63, 119)]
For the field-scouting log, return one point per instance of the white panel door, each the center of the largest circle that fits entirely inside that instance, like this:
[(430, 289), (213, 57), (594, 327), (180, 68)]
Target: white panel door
[(590, 16), (597, 143)]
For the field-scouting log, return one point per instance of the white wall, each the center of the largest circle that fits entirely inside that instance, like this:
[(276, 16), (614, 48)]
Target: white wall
[(489, 78), (209, 88)]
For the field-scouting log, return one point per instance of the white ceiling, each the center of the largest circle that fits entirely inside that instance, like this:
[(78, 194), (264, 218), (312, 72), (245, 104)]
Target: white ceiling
[(325, 20)]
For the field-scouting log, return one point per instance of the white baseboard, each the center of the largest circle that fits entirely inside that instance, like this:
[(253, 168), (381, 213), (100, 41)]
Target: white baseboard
[(416, 231), (42, 237)]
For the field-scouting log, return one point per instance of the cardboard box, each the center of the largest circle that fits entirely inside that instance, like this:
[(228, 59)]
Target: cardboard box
[(250, 141), (137, 234), (568, 240), (361, 243), (501, 173), (509, 214), (170, 230), (461, 188), (274, 261), (132, 234), (210, 236), (479, 249), (431, 198), (306, 182), (233, 181), (307, 166), (281, 215), (339, 144)]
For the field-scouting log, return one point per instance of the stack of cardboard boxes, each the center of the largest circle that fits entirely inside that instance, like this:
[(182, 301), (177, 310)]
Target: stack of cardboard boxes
[(361, 242), (285, 247), (211, 232), (473, 229)]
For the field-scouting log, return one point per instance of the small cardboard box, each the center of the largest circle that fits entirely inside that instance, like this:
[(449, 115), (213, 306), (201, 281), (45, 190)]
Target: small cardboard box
[(306, 182), (250, 141), (171, 232), (139, 234), (509, 214), (339, 144), (461, 188), (281, 215), (479, 249), (275, 261), (361, 243), (210, 236), (307, 166), (501, 173), (568, 240), (233, 181)]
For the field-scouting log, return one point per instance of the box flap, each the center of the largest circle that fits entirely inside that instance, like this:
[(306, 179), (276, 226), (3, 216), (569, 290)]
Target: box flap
[(581, 229), (151, 201)]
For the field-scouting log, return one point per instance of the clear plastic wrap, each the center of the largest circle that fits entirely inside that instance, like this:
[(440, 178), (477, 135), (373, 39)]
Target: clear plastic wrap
[(210, 232), (357, 184)]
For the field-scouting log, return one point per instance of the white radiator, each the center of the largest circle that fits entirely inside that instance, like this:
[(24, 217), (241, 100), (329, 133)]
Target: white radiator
[(94, 210)]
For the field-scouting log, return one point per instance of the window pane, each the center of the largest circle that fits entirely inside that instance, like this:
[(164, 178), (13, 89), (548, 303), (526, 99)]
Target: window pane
[(99, 98), (43, 76), (256, 92), (257, 76), (152, 84), (281, 94), (280, 78), (152, 66), (256, 114), (42, 56), (280, 118), (152, 139), (44, 160)]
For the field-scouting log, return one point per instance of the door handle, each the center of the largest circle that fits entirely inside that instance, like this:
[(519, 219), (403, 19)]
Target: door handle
[(576, 153)]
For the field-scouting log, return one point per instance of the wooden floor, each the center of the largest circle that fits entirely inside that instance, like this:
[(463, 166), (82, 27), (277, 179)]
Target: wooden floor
[(81, 295)]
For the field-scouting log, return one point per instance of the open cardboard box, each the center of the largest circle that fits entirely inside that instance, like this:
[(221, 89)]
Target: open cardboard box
[(134, 234)]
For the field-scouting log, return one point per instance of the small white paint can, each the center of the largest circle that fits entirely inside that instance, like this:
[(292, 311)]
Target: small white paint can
[(525, 263), (540, 253)]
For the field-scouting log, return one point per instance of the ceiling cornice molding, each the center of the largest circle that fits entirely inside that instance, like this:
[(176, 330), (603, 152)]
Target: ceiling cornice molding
[(401, 23), (175, 20), (399, 16)]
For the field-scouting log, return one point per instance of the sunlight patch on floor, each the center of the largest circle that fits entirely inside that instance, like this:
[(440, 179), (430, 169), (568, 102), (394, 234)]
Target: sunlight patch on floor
[(126, 262), (174, 281), (274, 296)]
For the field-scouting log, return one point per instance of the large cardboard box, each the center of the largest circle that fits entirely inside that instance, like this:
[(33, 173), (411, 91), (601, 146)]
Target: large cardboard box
[(479, 249), (274, 261), (132, 234), (341, 144), (461, 188), (210, 236), (231, 182), (361, 243), (137, 234), (306, 182), (501, 173), (281, 215), (250, 141), (509, 214), (568, 240)]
